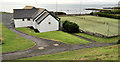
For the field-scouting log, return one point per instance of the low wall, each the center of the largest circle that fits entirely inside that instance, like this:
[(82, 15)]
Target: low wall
[(98, 34), (93, 34)]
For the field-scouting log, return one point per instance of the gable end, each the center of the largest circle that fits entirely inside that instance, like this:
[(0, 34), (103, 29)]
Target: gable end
[(57, 18), (38, 15), (43, 18)]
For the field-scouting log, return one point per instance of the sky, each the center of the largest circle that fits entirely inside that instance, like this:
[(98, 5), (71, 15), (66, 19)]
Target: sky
[(54, 1), (10, 4)]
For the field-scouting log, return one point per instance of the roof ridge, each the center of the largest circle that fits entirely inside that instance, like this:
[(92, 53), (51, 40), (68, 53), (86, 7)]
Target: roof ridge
[(39, 11), (28, 7)]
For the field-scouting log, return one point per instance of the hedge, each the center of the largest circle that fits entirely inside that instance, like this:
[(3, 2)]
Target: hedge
[(102, 14)]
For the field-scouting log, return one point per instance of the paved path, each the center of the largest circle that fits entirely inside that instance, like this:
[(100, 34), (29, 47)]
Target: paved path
[(47, 44)]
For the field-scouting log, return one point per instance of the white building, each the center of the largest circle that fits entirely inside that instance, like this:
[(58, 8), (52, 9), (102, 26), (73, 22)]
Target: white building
[(38, 18)]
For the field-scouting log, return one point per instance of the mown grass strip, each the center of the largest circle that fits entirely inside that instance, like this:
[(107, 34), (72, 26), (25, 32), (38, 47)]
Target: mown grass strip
[(13, 42), (55, 35), (99, 53)]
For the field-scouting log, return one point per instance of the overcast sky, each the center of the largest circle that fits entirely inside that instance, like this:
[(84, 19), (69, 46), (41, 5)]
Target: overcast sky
[(54, 1), (10, 4)]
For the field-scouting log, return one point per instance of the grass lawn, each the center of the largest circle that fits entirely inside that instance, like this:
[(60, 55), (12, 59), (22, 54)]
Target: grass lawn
[(95, 24), (0, 37), (102, 53), (55, 35), (13, 42), (0, 31), (100, 39)]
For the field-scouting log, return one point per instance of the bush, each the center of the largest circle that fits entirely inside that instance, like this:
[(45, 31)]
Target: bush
[(64, 23), (118, 41), (70, 27)]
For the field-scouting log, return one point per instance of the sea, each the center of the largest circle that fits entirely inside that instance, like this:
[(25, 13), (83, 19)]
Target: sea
[(77, 8), (67, 8)]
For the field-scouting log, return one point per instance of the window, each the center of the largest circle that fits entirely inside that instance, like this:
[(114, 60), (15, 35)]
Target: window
[(23, 19), (28, 19), (49, 22)]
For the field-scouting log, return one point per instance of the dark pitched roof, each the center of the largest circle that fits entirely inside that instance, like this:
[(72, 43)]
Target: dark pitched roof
[(32, 12), (53, 15), (39, 11), (24, 13), (42, 17), (27, 12)]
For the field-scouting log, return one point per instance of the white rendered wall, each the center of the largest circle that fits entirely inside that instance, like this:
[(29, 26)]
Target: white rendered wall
[(34, 25), (44, 26), (21, 23)]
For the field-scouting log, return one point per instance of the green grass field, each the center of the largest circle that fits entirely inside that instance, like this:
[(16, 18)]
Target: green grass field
[(55, 35), (0, 31), (0, 37), (95, 24), (100, 39), (13, 42), (100, 53)]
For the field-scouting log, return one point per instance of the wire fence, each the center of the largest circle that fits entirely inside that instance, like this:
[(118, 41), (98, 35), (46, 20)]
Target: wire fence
[(104, 28)]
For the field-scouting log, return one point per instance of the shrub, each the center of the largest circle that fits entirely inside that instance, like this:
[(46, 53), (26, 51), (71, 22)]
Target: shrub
[(64, 23), (91, 13), (70, 27), (118, 41)]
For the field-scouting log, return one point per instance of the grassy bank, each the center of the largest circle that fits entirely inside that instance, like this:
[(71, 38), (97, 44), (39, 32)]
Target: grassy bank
[(100, 39), (55, 35), (13, 42), (99, 53)]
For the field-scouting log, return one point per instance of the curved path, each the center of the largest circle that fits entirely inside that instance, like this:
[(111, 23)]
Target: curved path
[(49, 47), (47, 44)]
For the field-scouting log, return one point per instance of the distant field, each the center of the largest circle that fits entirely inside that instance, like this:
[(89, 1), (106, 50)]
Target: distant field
[(99, 53), (55, 35), (95, 24), (13, 42), (100, 39)]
